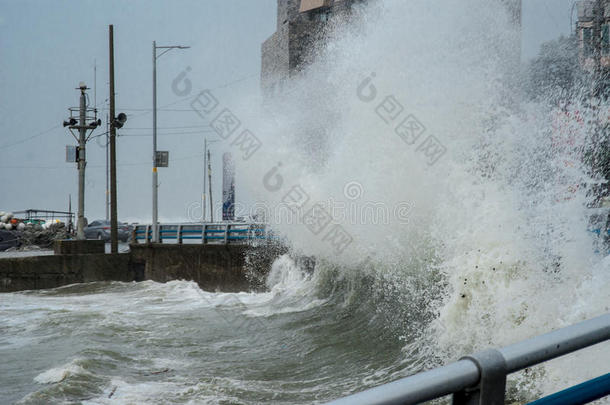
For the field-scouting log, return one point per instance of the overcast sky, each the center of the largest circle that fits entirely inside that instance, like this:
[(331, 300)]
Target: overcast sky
[(48, 47)]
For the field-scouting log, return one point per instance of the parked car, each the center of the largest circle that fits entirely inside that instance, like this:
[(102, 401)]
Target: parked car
[(101, 230)]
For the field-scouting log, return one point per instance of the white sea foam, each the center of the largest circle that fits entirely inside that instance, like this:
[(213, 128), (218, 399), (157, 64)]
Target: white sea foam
[(58, 374)]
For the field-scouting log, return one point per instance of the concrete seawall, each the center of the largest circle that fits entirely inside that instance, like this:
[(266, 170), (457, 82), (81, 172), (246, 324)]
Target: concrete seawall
[(39, 272), (227, 268)]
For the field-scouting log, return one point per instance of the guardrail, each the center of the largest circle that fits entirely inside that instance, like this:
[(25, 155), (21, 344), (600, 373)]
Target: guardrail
[(481, 378), (205, 233)]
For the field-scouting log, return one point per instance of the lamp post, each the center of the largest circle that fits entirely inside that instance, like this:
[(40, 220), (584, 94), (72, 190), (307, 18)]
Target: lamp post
[(155, 219)]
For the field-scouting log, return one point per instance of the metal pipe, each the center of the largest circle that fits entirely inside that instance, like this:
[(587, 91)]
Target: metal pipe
[(464, 373), (557, 343), (419, 387)]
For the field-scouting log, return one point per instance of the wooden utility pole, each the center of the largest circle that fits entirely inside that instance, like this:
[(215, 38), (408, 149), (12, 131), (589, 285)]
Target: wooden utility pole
[(114, 243)]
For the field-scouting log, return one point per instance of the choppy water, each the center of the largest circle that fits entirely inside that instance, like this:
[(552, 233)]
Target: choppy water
[(305, 341), (173, 343)]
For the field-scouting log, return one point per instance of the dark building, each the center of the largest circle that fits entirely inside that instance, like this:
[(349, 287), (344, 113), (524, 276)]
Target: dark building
[(593, 34), (301, 25)]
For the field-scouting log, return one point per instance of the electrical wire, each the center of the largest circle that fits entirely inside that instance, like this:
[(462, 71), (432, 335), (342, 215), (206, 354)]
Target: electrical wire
[(150, 128), (174, 133), (163, 108), (177, 159), (8, 145), (144, 112)]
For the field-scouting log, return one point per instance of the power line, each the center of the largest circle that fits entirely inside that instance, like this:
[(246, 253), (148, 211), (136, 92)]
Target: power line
[(144, 112), (149, 110), (36, 167), (185, 127), (28, 138), (178, 159), (234, 82), (173, 133)]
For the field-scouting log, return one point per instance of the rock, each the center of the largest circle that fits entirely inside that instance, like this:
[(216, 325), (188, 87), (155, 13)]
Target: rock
[(44, 238), (8, 240)]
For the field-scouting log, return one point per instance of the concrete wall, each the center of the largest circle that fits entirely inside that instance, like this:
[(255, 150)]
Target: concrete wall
[(227, 268), (40, 272)]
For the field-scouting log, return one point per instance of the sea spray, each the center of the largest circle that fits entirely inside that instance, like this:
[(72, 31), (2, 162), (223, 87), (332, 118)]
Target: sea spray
[(497, 223)]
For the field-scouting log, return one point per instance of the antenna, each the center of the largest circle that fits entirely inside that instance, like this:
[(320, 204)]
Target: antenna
[(94, 83)]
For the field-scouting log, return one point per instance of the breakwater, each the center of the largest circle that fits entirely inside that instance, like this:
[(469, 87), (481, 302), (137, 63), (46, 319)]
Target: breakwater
[(228, 268)]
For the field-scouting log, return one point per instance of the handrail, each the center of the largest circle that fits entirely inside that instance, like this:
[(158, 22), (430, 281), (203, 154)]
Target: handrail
[(557, 343), (481, 378), (217, 232)]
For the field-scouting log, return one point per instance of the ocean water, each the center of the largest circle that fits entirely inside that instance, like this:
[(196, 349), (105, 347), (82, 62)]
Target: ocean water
[(174, 343), (310, 339), (482, 245)]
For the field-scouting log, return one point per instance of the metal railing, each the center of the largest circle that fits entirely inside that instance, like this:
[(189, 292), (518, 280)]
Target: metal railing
[(35, 214), (481, 378), (204, 233)]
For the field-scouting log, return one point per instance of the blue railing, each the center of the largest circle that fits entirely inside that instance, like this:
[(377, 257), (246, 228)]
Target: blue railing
[(215, 233), (579, 394), (480, 379)]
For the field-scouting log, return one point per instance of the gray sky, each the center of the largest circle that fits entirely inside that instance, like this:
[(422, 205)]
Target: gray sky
[(47, 47)]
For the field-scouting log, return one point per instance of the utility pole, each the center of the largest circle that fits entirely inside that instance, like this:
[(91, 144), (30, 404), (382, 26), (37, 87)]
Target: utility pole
[(114, 242), (210, 185), (82, 162), (107, 169), (84, 114), (155, 183)]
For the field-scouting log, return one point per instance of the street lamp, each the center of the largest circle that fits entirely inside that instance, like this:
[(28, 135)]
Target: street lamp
[(155, 186)]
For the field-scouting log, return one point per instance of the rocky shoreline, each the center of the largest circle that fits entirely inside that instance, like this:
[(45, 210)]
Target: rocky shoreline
[(32, 236)]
